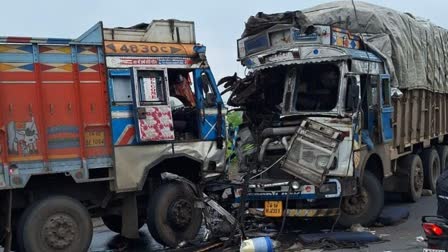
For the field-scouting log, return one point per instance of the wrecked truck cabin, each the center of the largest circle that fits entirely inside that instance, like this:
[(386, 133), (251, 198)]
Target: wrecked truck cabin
[(332, 118), (106, 125)]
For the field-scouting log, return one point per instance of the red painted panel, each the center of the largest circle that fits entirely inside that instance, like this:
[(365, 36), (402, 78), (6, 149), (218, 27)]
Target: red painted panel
[(47, 118)]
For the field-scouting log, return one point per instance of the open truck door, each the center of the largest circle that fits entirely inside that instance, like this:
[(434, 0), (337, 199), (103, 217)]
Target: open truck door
[(211, 106), (385, 108), (152, 111)]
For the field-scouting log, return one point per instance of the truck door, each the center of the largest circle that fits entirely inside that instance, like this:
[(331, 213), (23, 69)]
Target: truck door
[(209, 101), (152, 111), (385, 108)]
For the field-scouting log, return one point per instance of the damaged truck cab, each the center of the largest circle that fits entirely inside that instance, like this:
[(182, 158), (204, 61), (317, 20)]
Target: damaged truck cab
[(101, 126), (318, 108)]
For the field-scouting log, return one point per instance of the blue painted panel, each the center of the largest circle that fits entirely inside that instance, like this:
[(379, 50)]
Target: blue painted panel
[(55, 58), (62, 129), (64, 165), (123, 126), (388, 132), (123, 130), (86, 59), (208, 122), (58, 41), (30, 167), (208, 128), (363, 55), (99, 162), (120, 72), (256, 44), (92, 36), (16, 57)]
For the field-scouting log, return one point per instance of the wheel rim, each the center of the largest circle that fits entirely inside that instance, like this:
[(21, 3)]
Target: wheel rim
[(418, 178), (180, 213), (59, 231), (357, 204)]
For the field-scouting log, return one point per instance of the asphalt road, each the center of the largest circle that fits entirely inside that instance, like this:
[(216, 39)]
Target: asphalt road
[(401, 237)]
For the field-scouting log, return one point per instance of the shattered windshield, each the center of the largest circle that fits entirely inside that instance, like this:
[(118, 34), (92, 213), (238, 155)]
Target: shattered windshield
[(316, 87)]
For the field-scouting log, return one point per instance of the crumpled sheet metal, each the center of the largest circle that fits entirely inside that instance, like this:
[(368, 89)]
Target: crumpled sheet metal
[(132, 162), (414, 50)]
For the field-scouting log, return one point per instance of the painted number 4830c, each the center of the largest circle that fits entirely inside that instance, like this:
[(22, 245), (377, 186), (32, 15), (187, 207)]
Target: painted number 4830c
[(141, 48)]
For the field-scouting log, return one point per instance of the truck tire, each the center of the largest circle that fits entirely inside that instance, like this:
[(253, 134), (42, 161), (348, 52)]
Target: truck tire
[(113, 223), (172, 217), (56, 223), (443, 155), (412, 166), (365, 207), (431, 168)]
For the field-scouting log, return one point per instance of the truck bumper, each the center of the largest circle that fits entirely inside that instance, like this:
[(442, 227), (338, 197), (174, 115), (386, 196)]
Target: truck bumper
[(307, 201), (301, 213)]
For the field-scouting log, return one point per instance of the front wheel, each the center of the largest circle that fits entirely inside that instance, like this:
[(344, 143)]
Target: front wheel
[(56, 223), (172, 216), (364, 207)]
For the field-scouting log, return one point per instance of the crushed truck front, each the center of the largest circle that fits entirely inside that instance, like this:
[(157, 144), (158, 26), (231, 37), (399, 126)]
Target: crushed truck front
[(300, 102)]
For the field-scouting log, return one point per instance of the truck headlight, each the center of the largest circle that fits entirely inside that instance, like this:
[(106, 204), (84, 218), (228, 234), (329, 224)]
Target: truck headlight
[(330, 188), (322, 161), (295, 185)]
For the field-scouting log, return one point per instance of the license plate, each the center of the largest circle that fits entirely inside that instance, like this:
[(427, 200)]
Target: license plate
[(94, 138), (433, 250), (273, 208)]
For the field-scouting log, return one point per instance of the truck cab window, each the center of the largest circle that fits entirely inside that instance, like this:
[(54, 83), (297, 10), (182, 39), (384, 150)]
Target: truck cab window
[(122, 89), (183, 104), (208, 93), (181, 88), (317, 87), (152, 87)]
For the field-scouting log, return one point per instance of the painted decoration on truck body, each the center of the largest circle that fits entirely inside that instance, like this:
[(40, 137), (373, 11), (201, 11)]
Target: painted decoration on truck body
[(53, 108), (173, 62), (158, 124)]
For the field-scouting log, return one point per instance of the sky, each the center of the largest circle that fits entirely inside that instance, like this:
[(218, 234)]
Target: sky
[(218, 24)]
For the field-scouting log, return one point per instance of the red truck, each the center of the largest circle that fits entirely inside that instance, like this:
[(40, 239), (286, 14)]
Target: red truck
[(88, 125)]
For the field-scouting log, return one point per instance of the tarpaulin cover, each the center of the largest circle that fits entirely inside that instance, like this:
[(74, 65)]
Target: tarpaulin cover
[(262, 21), (415, 50)]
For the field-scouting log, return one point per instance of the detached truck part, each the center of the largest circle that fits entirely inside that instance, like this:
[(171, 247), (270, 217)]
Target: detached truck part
[(380, 99), (88, 125)]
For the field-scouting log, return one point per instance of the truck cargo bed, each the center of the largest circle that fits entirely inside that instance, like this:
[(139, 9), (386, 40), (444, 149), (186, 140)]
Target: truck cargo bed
[(53, 103)]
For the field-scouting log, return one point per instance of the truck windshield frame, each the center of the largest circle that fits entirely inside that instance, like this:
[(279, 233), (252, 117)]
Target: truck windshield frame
[(316, 87)]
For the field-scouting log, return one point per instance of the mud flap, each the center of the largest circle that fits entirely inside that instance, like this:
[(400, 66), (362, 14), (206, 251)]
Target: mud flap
[(129, 229), (313, 152)]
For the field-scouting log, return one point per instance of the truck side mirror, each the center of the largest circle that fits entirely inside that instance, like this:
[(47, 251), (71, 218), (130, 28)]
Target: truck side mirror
[(352, 98)]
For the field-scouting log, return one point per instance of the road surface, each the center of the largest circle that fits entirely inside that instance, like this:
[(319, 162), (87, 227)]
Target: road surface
[(401, 237)]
